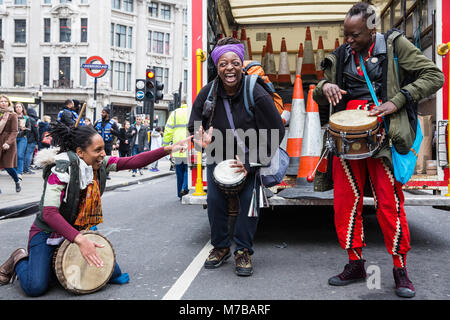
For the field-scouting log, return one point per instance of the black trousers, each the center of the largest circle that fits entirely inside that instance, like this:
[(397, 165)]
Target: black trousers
[(245, 226)]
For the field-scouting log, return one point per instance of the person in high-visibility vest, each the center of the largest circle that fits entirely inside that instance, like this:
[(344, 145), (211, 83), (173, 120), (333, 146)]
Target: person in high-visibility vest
[(174, 131)]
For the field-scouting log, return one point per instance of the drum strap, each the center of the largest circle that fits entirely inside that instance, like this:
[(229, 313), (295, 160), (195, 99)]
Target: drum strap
[(240, 143)]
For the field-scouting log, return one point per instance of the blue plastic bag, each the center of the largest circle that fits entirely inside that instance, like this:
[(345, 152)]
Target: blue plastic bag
[(404, 164)]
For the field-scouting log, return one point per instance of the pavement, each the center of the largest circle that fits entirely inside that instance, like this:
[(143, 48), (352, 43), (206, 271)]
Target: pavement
[(13, 204)]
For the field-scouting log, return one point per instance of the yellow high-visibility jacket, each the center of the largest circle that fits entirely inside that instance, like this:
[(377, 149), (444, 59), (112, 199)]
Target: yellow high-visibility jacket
[(176, 129)]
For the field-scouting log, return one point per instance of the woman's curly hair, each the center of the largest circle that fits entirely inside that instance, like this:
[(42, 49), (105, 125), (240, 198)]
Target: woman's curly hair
[(70, 138)]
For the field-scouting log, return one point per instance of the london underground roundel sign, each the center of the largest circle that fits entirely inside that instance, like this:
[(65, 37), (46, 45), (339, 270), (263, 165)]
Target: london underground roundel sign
[(89, 66)]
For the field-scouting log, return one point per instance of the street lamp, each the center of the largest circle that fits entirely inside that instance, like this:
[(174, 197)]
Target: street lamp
[(443, 50)]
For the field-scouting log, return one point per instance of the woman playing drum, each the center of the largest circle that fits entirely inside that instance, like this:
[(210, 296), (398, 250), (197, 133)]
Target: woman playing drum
[(71, 203), (228, 93)]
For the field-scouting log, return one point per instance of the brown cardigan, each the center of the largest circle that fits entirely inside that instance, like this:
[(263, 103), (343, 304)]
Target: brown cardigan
[(8, 158)]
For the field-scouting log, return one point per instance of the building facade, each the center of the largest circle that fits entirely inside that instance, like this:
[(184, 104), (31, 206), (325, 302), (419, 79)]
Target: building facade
[(45, 42)]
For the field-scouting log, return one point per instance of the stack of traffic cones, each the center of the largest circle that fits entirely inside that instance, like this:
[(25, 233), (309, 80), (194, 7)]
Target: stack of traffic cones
[(269, 67), (308, 64), (320, 57), (245, 43), (284, 73), (296, 127), (299, 60), (312, 140)]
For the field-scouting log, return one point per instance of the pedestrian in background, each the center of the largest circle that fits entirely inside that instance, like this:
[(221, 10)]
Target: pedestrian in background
[(43, 128), (174, 131), (69, 115), (88, 121), (124, 138), (107, 129), (8, 144), (32, 140), (22, 140), (155, 143), (139, 140)]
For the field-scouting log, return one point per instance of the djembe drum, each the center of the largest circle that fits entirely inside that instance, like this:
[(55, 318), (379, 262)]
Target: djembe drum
[(353, 134), (73, 271)]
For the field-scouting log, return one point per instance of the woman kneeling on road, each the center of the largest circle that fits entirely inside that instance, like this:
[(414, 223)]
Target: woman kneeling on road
[(83, 148)]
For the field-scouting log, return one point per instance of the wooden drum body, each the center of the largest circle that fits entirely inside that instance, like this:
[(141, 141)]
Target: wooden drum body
[(74, 273), (353, 134)]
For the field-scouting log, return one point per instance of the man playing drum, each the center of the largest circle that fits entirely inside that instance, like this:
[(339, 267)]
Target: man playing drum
[(75, 178), (345, 88)]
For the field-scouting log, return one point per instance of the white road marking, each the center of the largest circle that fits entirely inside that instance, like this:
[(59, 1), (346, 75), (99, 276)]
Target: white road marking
[(177, 291)]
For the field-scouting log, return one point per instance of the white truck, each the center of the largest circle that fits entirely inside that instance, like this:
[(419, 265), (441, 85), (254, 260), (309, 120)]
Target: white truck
[(422, 22)]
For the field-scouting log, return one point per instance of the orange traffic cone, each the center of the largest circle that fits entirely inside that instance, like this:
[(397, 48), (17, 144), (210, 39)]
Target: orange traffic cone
[(296, 127), (263, 57), (320, 57), (284, 73), (249, 46), (299, 59), (308, 65), (336, 43), (312, 140), (245, 43), (270, 68)]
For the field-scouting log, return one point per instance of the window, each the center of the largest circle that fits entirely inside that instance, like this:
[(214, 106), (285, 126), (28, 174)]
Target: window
[(64, 70), (115, 4), (129, 77), (119, 76), (165, 11), (167, 44), (186, 47), (46, 80), (82, 72), (47, 1), (65, 1), (19, 72), (1, 28), (121, 32), (20, 1), (153, 10), (112, 34), (83, 1), (84, 25), (158, 42), (149, 42), (64, 30), (128, 5), (47, 28), (166, 80), (130, 37), (20, 31)]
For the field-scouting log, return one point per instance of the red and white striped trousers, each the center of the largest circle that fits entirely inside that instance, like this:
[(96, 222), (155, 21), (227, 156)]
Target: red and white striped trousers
[(349, 178)]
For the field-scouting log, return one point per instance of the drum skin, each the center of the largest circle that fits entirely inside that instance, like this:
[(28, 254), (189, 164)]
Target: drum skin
[(227, 180), (74, 273), (354, 134)]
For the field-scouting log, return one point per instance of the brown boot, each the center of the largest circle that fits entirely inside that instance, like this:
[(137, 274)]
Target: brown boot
[(7, 269)]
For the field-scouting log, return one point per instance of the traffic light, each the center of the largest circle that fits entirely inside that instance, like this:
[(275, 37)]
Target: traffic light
[(150, 85), (159, 94), (140, 89)]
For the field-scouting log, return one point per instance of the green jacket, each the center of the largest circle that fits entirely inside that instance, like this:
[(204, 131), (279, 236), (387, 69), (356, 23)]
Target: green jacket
[(411, 61)]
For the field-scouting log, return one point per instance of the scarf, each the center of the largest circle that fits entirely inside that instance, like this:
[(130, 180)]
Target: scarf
[(90, 206)]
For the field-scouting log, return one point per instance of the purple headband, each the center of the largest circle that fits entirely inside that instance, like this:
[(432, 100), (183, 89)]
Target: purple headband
[(218, 51)]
